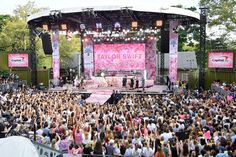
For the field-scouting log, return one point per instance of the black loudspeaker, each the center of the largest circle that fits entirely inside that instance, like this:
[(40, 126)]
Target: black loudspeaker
[(165, 40), (47, 43)]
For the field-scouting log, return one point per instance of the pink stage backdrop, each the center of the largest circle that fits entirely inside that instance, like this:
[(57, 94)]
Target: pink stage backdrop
[(151, 59), (221, 60), (119, 57), (173, 54), (18, 60), (88, 57)]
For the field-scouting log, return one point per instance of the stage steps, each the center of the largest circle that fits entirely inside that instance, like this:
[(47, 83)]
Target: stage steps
[(99, 96)]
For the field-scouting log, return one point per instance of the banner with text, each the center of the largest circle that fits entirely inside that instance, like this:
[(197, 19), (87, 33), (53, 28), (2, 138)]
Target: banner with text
[(221, 60), (55, 55), (18, 60), (88, 57), (173, 54), (119, 56)]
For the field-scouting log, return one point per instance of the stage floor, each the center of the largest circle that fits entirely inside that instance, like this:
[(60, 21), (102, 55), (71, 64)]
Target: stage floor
[(156, 89)]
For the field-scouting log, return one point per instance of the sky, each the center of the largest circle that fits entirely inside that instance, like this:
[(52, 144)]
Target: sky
[(7, 6)]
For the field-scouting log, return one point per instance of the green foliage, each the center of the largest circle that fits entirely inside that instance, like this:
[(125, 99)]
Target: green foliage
[(3, 20), (14, 32), (42, 59), (14, 35), (221, 12), (23, 11), (189, 35), (67, 48)]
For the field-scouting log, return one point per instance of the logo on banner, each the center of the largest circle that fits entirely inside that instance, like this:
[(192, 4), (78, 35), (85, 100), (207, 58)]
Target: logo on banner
[(88, 51), (220, 60), (18, 60)]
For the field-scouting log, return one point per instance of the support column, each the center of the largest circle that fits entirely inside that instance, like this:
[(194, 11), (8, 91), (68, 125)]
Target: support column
[(55, 55), (33, 57), (164, 49), (202, 55), (173, 51)]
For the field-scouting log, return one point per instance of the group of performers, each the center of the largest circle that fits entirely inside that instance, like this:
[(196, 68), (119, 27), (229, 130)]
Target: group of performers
[(134, 82)]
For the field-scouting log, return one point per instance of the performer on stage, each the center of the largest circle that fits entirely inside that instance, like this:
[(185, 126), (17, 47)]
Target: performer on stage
[(143, 83), (137, 83), (132, 83), (124, 81)]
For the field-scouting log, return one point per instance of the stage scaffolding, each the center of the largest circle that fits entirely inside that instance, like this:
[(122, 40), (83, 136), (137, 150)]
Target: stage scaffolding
[(84, 20)]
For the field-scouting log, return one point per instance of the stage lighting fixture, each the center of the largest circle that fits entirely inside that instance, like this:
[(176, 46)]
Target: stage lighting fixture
[(99, 25), (45, 27), (63, 26), (159, 23), (82, 26), (134, 24), (117, 25)]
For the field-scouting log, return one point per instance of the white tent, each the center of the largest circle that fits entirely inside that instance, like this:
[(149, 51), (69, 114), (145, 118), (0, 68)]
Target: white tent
[(16, 146)]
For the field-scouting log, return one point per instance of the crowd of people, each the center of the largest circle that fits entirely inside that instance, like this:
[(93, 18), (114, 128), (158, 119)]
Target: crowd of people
[(182, 125), (9, 82), (225, 86)]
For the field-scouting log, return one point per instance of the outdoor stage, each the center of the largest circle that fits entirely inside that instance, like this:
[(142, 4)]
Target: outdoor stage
[(102, 94)]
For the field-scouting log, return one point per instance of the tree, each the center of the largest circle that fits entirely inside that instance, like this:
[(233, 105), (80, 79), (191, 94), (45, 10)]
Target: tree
[(189, 34), (68, 48), (14, 34), (222, 16), (221, 12), (23, 11), (3, 20)]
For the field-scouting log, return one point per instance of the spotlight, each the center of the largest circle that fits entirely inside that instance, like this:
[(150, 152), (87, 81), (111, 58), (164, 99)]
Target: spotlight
[(63, 26), (159, 23), (134, 24), (99, 25), (82, 26), (84, 40), (117, 25)]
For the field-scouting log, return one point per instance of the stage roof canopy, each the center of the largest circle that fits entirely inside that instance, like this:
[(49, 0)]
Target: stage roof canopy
[(145, 15)]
